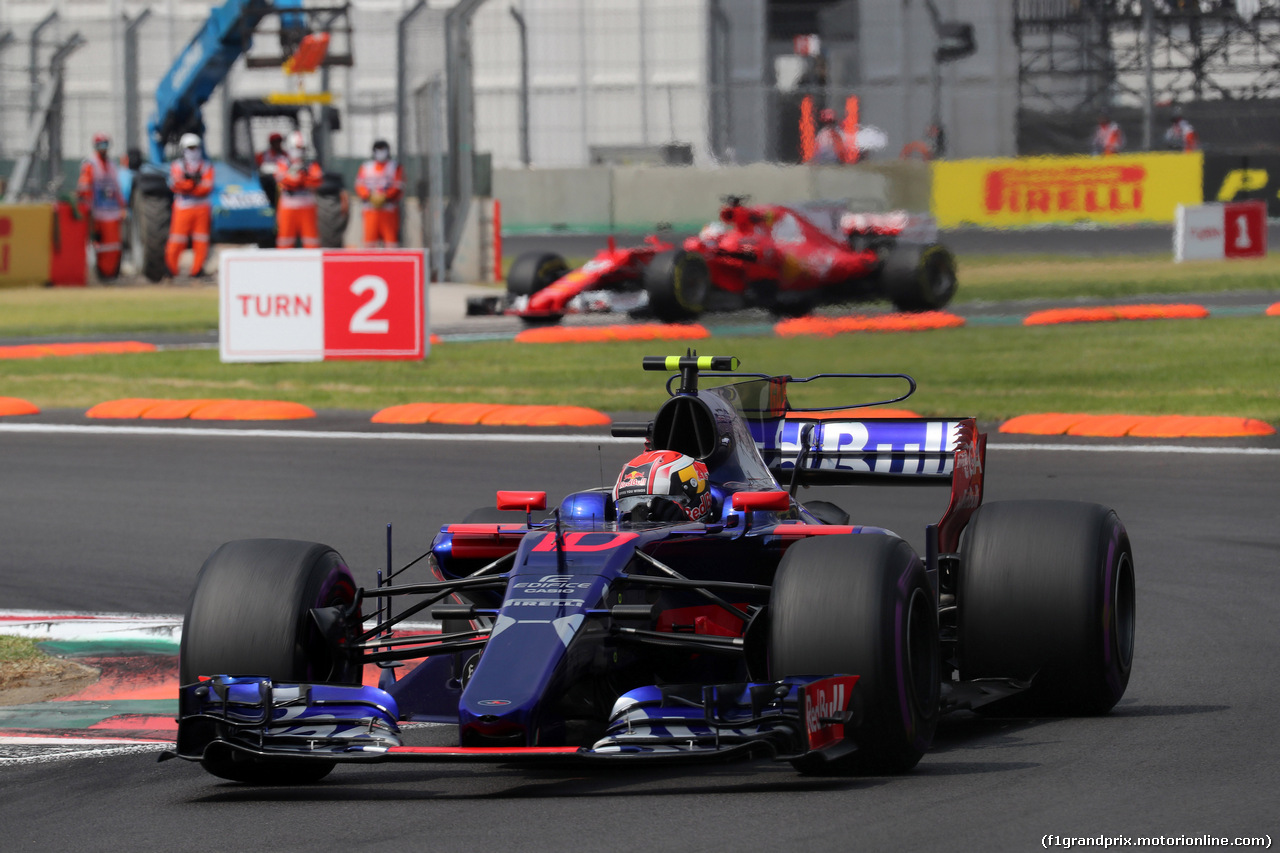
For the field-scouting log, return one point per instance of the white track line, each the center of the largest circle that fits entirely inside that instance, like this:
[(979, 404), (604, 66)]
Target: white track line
[(1140, 448), (47, 757), (529, 438), (537, 438)]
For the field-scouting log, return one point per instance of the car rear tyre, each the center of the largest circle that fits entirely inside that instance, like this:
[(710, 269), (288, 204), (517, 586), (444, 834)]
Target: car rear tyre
[(250, 614), (1046, 593), (862, 605), (919, 278), (533, 271), (677, 282)]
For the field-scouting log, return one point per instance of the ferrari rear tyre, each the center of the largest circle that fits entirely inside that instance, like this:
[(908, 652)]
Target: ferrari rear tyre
[(533, 271), (250, 614), (677, 282), (919, 278), (862, 605), (151, 215), (1046, 593)]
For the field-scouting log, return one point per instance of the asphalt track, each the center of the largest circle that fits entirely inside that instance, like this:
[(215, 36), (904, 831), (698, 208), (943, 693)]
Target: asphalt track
[(121, 521)]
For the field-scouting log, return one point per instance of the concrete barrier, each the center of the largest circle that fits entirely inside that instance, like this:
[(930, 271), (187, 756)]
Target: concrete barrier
[(555, 199), (637, 198)]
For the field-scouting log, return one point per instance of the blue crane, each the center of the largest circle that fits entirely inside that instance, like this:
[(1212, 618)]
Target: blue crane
[(242, 208)]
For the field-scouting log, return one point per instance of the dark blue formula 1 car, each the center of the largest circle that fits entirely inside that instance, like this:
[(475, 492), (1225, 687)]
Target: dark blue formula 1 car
[(696, 611)]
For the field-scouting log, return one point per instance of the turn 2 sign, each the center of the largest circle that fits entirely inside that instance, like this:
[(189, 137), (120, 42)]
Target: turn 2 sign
[(312, 305)]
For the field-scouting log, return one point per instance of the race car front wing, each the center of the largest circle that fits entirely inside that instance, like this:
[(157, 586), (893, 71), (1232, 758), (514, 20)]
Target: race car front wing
[(801, 719)]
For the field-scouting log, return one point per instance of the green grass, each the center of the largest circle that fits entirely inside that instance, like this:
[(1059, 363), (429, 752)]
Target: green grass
[(87, 311), (1033, 277), (17, 649), (1218, 366), (122, 310)]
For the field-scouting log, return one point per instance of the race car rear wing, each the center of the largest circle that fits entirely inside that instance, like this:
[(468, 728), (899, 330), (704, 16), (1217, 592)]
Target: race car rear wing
[(823, 451), (802, 450)]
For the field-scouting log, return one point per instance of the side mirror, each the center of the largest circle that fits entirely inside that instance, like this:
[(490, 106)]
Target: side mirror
[(524, 501)]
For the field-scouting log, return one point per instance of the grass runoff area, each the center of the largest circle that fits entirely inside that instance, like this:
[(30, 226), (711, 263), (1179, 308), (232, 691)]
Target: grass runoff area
[(19, 658), (1217, 366)]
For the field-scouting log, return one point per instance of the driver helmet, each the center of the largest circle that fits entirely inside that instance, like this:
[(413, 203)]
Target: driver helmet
[(657, 478)]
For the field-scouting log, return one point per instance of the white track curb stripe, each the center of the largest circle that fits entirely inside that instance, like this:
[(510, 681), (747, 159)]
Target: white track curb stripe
[(71, 627)]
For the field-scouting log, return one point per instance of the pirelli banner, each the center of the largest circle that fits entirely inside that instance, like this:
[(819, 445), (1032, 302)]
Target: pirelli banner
[(1053, 190)]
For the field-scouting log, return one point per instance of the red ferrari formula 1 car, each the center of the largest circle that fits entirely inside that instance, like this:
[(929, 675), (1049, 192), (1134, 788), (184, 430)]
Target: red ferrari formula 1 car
[(786, 259)]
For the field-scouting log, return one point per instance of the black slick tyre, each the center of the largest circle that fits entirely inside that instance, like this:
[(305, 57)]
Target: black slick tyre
[(332, 212), (533, 271), (919, 278), (677, 282), (151, 214), (250, 614), (1046, 593), (862, 605)]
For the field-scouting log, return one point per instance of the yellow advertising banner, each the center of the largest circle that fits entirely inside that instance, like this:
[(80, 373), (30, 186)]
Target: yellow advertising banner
[(1042, 190), (26, 238)]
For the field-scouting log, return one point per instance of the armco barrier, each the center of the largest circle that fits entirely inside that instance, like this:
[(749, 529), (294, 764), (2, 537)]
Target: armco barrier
[(1126, 188)]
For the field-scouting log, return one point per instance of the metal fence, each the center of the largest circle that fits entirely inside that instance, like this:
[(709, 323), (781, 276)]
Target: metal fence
[(549, 83)]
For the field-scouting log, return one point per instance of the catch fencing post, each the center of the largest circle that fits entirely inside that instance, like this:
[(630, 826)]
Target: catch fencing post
[(497, 240), (132, 116), (524, 85), (402, 72)]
